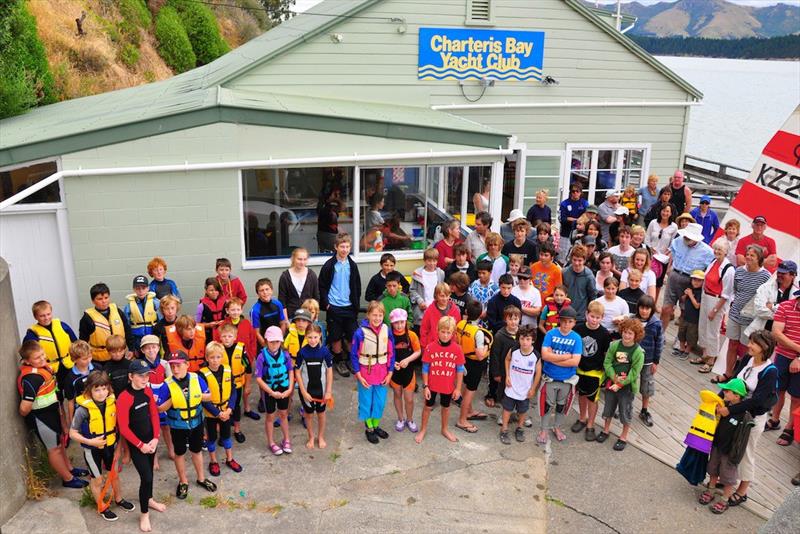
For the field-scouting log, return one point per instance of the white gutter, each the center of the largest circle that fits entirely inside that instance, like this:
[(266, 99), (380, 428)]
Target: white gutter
[(187, 167), (605, 104)]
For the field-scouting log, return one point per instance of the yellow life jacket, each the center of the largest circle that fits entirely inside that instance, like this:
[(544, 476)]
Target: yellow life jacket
[(46, 396), (466, 333), (236, 365), (100, 423), (150, 316), (292, 342), (55, 344), (220, 393), (103, 328), (374, 347), (187, 409)]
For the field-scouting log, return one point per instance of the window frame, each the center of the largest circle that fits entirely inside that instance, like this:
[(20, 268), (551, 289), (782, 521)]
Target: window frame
[(38, 206), (620, 148)]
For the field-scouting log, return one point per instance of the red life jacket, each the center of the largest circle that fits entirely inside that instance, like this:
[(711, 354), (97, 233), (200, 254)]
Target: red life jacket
[(213, 311)]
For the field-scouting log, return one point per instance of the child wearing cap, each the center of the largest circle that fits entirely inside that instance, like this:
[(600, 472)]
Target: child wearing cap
[(141, 309), (275, 378), (690, 319), (314, 379), (529, 297), (150, 349), (406, 350), (161, 285), (223, 396), (296, 339), (721, 467), (707, 218)]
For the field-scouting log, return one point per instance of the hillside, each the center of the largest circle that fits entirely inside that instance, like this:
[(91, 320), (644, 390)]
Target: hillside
[(713, 19)]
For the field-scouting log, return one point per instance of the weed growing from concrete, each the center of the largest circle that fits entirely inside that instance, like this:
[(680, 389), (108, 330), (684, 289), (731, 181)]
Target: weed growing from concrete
[(87, 499), (38, 473), (209, 502), (334, 456)]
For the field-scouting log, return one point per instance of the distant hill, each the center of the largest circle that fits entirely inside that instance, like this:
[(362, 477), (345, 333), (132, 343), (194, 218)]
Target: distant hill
[(781, 47), (713, 19)]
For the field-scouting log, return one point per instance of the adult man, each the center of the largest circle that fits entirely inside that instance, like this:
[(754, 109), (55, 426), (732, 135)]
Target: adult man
[(778, 289), (786, 329), (476, 240), (681, 194), (579, 281), (689, 253), (507, 229), (707, 218), (568, 212), (759, 238), (606, 214)]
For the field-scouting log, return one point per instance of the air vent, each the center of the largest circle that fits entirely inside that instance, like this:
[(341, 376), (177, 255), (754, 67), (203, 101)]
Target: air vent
[(479, 12)]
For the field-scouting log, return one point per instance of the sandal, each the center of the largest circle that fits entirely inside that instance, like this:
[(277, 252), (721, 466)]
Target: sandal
[(478, 416), (736, 499), (771, 424), (719, 507), (720, 379), (470, 429), (620, 445), (706, 497), (705, 368), (786, 438), (697, 360), (601, 437), (542, 437), (577, 426), (590, 435), (489, 402)]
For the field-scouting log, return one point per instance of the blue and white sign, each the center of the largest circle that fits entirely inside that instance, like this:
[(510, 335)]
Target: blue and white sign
[(470, 54)]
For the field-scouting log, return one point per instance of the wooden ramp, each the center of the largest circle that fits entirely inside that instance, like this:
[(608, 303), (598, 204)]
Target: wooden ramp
[(674, 406)]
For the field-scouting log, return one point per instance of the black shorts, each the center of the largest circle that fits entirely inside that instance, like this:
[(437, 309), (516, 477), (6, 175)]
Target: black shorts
[(314, 407), (46, 424), (272, 404), (444, 399), (99, 459), (181, 437), (341, 323), (474, 370), (217, 429), (236, 414)]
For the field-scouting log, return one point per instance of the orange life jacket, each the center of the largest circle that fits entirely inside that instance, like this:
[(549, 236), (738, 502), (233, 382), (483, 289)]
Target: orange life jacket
[(197, 354)]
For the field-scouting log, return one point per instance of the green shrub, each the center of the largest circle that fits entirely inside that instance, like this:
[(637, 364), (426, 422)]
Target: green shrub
[(129, 55), (135, 12), (173, 43), (201, 27)]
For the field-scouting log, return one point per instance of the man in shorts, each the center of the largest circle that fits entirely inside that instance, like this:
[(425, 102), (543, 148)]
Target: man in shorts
[(689, 253), (786, 329)]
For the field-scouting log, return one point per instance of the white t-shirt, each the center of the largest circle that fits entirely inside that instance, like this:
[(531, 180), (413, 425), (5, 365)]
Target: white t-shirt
[(613, 309), (621, 257), (648, 280), (298, 282), (530, 298), (429, 281), (521, 371), (751, 377)]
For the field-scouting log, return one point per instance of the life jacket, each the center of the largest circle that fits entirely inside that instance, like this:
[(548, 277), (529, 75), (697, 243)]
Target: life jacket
[(374, 347), (213, 311), (630, 203), (292, 342), (103, 328), (55, 342), (142, 324), (197, 354), (46, 396), (236, 364), (551, 312), (184, 409), (101, 422), (466, 333), (220, 393), (274, 373)]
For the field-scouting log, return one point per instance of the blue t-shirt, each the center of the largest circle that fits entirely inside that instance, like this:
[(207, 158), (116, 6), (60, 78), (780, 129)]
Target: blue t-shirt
[(339, 294), (561, 344)]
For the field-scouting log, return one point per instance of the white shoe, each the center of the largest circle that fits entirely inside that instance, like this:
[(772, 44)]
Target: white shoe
[(528, 422), (500, 420)]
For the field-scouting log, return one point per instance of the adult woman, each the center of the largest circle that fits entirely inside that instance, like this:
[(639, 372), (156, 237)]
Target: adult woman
[(732, 229), (641, 260), (606, 263), (746, 281), (594, 229), (480, 200), (297, 283), (328, 217), (664, 198), (718, 293), (658, 237), (540, 212), (761, 378), (648, 194)]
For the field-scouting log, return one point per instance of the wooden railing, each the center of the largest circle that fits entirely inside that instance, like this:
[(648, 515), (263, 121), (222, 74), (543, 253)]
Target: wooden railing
[(718, 180)]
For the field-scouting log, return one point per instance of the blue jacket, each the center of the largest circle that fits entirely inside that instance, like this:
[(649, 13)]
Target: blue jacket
[(709, 222), (570, 208), (653, 340)]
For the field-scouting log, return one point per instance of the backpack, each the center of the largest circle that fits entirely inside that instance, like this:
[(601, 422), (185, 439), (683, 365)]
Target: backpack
[(740, 438)]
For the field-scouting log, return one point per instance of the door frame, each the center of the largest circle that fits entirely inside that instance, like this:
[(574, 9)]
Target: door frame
[(522, 171), (595, 147)]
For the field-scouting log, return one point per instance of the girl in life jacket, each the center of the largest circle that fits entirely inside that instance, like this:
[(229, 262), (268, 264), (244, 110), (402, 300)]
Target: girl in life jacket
[(94, 426), (211, 310), (275, 378)]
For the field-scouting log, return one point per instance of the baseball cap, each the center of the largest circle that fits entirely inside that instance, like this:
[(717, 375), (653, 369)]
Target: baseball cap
[(736, 385), (514, 215), (706, 199), (700, 275), (140, 280), (397, 315), (149, 339), (524, 272), (589, 240), (138, 367), (591, 209), (568, 312), (760, 219), (302, 314), (613, 194), (274, 333), (178, 357), (787, 266)]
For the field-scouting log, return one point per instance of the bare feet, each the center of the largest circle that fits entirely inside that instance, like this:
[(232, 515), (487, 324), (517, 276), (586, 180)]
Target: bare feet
[(420, 436), (449, 435), (144, 523), (322, 443), (157, 506), (155, 464), (310, 444)]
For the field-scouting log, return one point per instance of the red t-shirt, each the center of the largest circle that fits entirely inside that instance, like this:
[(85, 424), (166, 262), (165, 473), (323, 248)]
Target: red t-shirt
[(788, 313), (443, 361), (445, 251), (766, 242)]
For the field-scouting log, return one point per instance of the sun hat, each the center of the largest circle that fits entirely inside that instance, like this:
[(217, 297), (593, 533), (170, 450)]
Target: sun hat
[(693, 232), (697, 273), (149, 339), (515, 215)]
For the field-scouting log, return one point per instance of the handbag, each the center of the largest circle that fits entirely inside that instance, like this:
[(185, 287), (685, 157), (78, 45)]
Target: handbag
[(740, 438)]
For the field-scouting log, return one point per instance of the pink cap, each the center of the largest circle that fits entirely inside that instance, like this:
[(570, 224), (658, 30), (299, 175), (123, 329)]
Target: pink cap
[(398, 314), (273, 333)]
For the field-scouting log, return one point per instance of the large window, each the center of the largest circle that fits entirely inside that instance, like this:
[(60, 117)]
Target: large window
[(14, 180), (392, 209), (601, 169)]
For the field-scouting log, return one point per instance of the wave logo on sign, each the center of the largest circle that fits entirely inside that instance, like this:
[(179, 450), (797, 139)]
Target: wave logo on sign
[(463, 54)]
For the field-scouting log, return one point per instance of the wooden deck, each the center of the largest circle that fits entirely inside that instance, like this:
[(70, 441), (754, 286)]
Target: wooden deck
[(674, 406)]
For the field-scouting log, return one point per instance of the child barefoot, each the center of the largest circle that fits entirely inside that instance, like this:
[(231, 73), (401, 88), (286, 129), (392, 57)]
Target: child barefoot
[(276, 380), (314, 378), (442, 374), (407, 350)]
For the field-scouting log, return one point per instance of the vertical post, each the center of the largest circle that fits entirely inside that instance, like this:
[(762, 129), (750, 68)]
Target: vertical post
[(496, 199)]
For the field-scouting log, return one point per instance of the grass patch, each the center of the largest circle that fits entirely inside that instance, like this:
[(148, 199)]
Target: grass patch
[(251, 504), (87, 499), (334, 456), (273, 510), (212, 501), (38, 473), (338, 503), (555, 501)]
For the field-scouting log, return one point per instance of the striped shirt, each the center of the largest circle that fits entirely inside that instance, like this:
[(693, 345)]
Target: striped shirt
[(788, 313), (745, 285)]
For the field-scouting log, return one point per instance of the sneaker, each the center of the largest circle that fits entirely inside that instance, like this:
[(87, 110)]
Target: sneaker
[(262, 408), (205, 446), (372, 437), (684, 356), (233, 465), (213, 469), (500, 419), (108, 515), (277, 451), (519, 435), (412, 426), (252, 415), (182, 491), (286, 446), (381, 433), (277, 423), (577, 426), (400, 425), (125, 505), (646, 418), (239, 437), (504, 439), (207, 485), (75, 483), (677, 352), (528, 422), (341, 368), (78, 472)]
